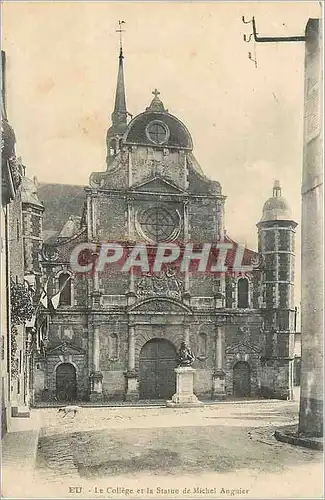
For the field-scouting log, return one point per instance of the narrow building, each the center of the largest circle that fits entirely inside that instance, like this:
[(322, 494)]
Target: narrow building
[(21, 243)]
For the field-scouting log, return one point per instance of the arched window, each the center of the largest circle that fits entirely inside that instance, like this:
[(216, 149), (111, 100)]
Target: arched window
[(65, 289), (112, 147), (242, 293), (203, 342), (113, 346)]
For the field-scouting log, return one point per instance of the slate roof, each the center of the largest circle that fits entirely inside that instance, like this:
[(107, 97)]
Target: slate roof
[(60, 202), (179, 136)]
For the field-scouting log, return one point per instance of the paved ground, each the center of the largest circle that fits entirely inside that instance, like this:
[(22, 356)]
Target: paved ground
[(212, 451)]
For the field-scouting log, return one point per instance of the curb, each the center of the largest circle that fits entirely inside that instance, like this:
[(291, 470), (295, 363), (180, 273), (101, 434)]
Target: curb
[(159, 404), (289, 435)]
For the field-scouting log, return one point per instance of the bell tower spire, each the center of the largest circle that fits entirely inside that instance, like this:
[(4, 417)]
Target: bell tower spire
[(120, 113)]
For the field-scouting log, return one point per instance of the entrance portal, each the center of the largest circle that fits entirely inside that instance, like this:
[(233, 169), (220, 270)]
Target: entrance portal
[(241, 379), (66, 382), (157, 378)]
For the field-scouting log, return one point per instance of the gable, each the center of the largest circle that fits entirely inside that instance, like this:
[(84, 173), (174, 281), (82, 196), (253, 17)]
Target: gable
[(242, 348), (159, 185), (161, 305), (65, 349)]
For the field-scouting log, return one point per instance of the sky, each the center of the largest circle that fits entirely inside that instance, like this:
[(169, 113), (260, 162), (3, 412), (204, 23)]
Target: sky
[(246, 122)]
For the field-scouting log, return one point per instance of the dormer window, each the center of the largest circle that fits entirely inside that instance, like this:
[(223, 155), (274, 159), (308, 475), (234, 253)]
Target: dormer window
[(157, 132)]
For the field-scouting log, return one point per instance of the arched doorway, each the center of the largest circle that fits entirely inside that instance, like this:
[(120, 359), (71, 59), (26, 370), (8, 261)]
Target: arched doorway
[(157, 378), (241, 379), (66, 382)]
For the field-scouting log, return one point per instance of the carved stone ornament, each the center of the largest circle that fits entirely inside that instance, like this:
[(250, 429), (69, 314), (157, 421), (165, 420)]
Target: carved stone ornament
[(50, 253), (14, 369), (16, 168), (258, 261), (165, 284)]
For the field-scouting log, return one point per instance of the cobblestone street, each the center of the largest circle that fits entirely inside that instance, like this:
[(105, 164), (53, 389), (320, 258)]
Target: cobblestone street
[(230, 445)]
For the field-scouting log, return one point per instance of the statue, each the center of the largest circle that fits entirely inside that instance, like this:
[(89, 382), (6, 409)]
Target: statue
[(185, 357)]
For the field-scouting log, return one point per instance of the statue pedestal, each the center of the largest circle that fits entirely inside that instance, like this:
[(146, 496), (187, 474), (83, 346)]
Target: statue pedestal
[(184, 396)]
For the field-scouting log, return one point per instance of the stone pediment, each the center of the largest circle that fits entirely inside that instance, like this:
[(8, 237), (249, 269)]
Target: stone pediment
[(161, 305), (242, 348), (158, 184), (65, 349)]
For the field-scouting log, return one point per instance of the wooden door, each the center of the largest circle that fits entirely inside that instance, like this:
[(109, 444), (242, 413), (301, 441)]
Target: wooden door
[(66, 382), (241, 379), (157, 378)]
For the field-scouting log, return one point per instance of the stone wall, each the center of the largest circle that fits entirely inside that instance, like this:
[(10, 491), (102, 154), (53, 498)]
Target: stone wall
[(147, 163), (80, 364), (112, 214), (275, 378), (312, 327), (203, 223)]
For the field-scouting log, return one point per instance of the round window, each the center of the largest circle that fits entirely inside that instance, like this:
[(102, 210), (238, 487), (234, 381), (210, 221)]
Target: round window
[(159, 223), (157, 132)]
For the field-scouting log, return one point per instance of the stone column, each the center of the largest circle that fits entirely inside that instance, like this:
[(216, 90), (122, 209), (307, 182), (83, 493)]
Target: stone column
[(131, 353), (130, 181), (132, 391), (187, 334), (94, 201), (312, 241), (131, 293), (96, 281), (89, 217), (96, 294), (187, 293), (96, 350), (96, 377), (218, 378)]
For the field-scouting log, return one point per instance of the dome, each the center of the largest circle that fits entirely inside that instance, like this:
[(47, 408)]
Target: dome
[(157, 127), (277, 207)]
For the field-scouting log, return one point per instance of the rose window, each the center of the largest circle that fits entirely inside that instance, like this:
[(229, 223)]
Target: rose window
[(157, 132), (159, 223)]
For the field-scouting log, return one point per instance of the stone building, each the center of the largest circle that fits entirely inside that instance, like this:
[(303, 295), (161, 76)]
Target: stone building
[(312, 323), (20, 246), (114, 335)]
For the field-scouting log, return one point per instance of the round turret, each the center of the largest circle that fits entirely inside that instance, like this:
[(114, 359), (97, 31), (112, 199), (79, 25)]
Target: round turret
[(276, 207)]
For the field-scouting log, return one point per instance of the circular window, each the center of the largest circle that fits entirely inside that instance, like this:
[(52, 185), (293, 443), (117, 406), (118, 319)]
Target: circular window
[(158, 223), (157, 132)]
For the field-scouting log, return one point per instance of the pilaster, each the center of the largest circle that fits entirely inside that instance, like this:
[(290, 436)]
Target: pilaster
[(96, 377), (219, 375), (132, 386)]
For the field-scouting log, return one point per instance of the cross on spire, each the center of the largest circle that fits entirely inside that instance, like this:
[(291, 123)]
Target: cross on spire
[(156, 93), (120, 31)]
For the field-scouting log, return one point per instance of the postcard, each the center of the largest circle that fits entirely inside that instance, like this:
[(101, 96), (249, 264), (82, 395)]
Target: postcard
[(162, 250)]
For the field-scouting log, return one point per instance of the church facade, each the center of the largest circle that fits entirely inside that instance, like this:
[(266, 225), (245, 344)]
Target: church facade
[(114, 335)]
